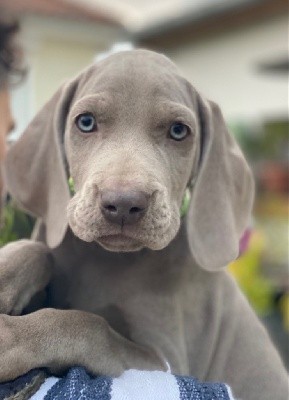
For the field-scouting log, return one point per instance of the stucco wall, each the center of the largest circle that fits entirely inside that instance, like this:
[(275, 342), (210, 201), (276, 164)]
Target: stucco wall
[(57, 61), (225, 69), (56, 50)]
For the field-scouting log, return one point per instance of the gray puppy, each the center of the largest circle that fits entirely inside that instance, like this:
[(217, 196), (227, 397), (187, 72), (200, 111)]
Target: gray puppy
[(131, 283)]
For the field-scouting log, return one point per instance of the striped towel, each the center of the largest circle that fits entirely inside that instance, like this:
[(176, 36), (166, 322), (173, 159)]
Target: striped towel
[(77, 384)]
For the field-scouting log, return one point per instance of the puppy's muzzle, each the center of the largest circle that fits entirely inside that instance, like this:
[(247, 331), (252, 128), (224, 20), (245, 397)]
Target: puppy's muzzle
[(124, 207)]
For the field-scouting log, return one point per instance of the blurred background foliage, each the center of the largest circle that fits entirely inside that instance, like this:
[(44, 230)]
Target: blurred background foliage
[(262, 271), (15, 224)]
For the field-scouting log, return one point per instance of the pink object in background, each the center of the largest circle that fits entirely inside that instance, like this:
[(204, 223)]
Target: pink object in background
[(244, 241)]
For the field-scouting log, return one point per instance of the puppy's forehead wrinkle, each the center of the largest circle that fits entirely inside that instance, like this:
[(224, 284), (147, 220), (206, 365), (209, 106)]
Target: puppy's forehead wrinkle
[(90, 102), (175, 110), (141, 73)]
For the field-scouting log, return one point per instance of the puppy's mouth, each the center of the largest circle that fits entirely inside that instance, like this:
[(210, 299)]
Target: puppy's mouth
[(154, 230), (119, 242)]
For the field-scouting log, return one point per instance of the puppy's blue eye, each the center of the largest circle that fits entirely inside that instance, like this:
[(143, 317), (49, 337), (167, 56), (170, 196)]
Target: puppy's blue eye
[(178, 131), (86, 122)]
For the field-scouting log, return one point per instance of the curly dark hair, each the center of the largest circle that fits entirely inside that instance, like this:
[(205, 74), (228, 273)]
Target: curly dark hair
[(11, 69)]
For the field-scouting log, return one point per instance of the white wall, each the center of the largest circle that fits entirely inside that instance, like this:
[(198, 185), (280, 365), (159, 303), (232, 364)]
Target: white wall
[(225, 69), (22, 102), (56, 50)]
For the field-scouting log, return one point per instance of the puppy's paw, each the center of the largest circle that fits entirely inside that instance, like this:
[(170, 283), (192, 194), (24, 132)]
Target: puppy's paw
[(25, 269), (15, 357)]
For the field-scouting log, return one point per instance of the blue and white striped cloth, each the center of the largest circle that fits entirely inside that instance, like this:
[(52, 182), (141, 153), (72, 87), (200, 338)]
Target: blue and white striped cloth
[(77, 384)]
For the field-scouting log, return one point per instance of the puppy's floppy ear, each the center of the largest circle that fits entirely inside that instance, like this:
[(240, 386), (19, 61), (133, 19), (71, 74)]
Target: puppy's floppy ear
[(35, 166), (223, 193)]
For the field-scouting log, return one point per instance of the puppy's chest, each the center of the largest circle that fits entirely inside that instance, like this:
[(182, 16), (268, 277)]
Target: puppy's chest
[(107, 291), (131, 291), (87, 287)]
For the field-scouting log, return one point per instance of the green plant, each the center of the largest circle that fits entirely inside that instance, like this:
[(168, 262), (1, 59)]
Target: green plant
[(15, 224)]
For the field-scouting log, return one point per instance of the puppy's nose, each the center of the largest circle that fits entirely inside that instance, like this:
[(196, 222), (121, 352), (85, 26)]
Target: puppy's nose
[(123, 207)]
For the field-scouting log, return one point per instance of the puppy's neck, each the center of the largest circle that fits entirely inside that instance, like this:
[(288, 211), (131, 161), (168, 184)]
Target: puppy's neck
[(87, 270), (173, 256)]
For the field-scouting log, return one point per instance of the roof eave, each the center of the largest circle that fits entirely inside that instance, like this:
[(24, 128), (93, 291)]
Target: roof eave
[(209, 21)]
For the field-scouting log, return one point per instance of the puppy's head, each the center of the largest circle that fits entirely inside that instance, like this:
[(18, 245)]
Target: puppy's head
[(133, 134), (131, 140)]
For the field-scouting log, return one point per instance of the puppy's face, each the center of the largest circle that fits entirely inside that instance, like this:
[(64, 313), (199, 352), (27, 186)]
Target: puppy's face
[(132, 142)]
